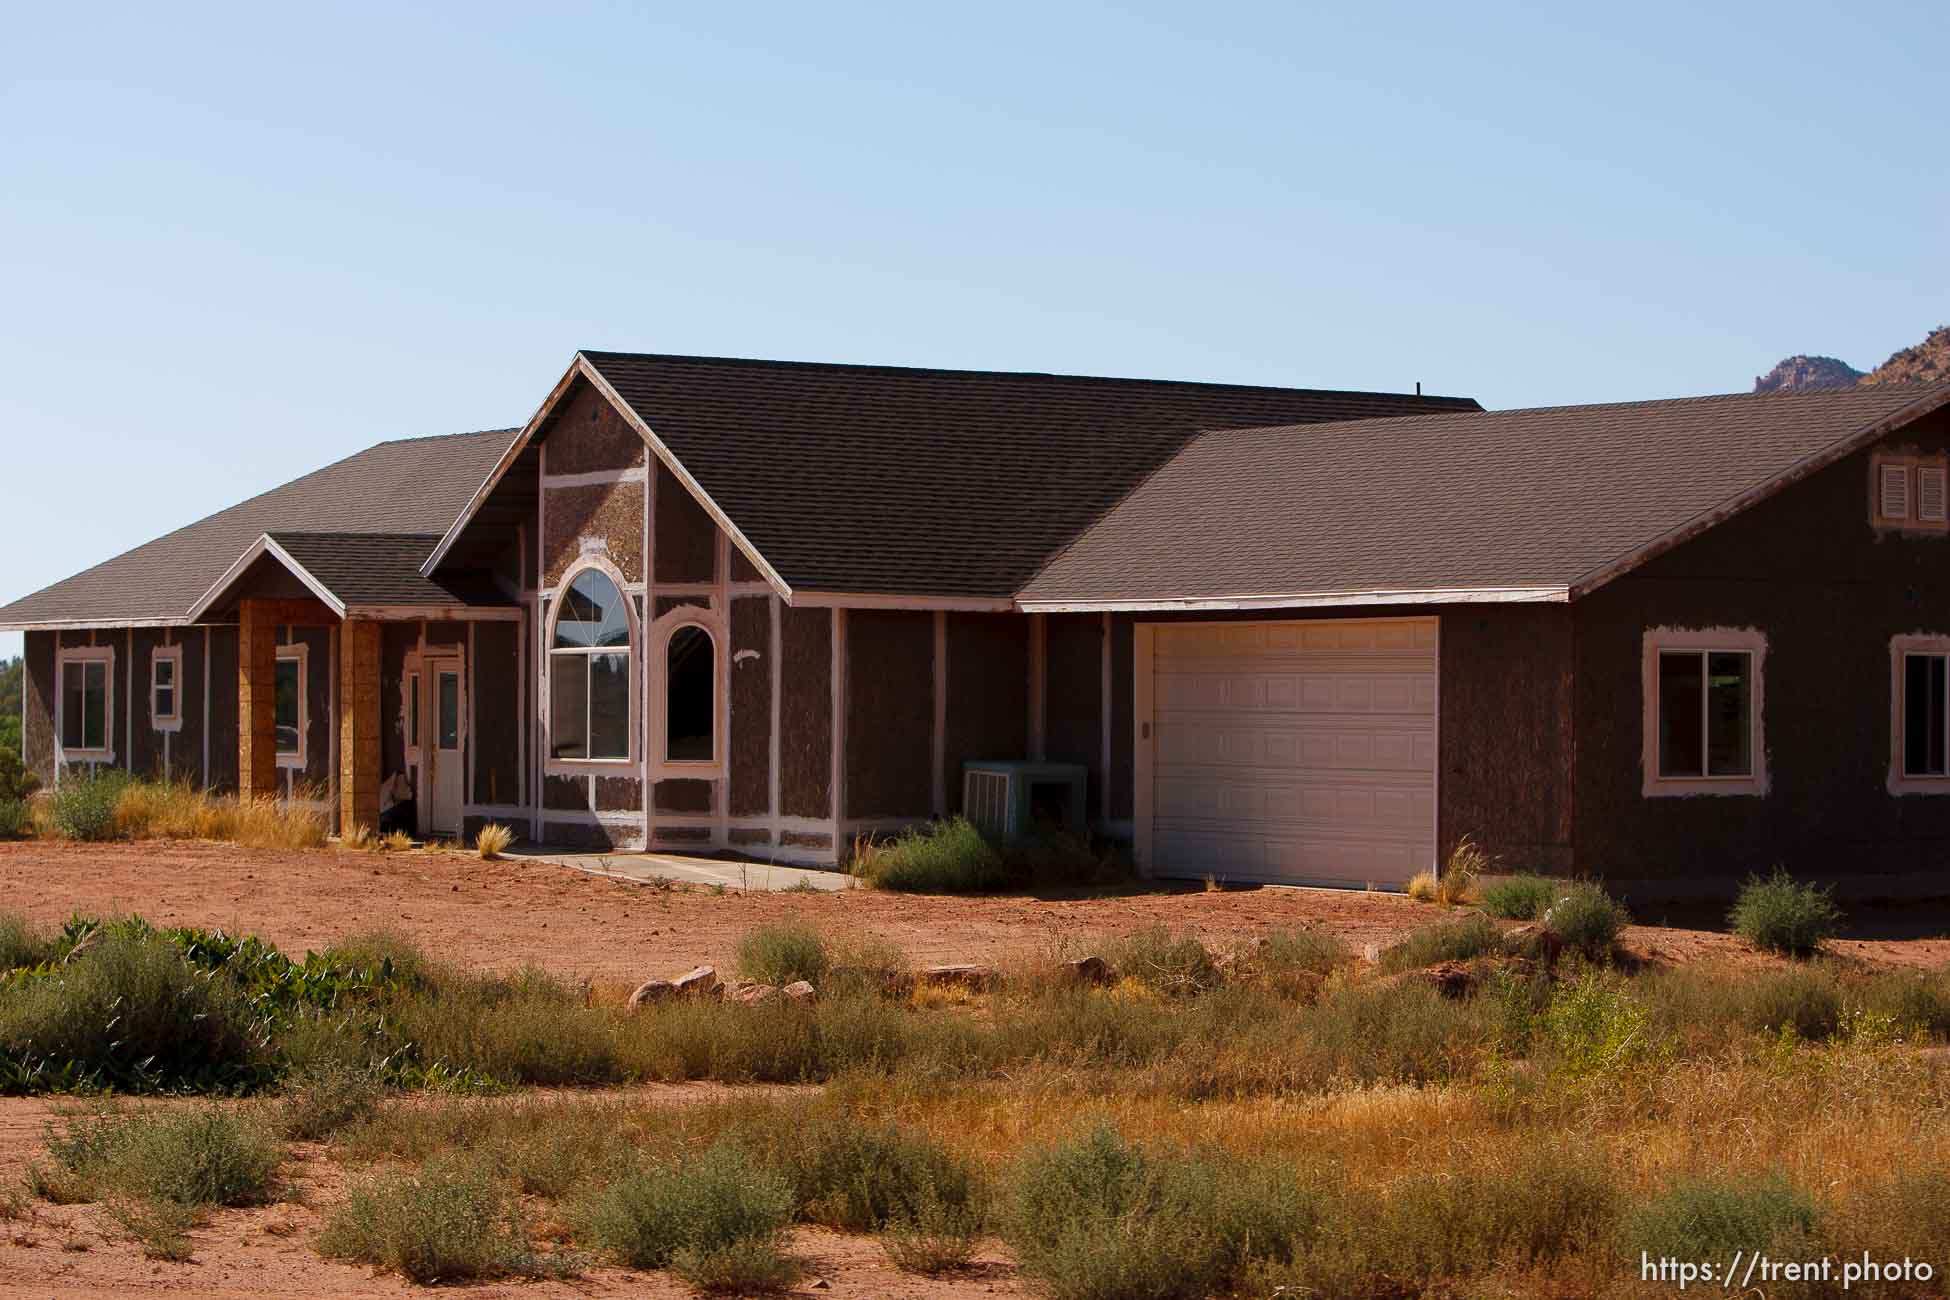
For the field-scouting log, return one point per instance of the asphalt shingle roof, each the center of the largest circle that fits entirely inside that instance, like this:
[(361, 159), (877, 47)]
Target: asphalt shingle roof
[(416, 485), (384, 569), (933, 482), (1498, 499)]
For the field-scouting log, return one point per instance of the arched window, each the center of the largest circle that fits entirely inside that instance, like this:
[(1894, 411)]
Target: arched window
[(690, 696), (589, 667)]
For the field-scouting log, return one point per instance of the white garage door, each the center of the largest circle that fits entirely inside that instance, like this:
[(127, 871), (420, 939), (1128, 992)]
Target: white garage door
[(1300, 751)]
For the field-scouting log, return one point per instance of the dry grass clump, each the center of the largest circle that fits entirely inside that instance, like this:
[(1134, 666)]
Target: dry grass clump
[(492, 840), (1422, 887), (455, 1220), (1467, 862), (175, 810)]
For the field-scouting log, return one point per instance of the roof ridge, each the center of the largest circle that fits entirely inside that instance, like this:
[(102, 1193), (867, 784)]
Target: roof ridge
[(881, 368)]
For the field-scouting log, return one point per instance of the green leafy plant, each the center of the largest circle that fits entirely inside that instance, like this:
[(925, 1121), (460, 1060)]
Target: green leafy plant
[(781, 954), (1588, 919), (1780, 914), (452, 1221), (83, 804), (1520, 898), (947, 857), (1711, 1216), (1467, 937)]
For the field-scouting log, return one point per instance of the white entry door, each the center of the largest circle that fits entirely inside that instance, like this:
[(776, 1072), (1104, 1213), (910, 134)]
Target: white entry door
[(445, 775), (1300, 752)]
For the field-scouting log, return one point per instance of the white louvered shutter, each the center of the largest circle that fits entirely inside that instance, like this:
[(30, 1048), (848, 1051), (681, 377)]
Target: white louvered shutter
[(1932, 494), (1892, 492)]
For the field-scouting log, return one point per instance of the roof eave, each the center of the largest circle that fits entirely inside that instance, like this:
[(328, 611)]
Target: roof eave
[(1299, 600)]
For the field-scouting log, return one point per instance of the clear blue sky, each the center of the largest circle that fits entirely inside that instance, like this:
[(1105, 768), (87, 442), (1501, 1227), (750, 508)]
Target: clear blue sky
[(238, 243)]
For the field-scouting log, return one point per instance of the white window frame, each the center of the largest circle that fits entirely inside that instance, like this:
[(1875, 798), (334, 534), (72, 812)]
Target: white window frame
[(83, 654), (633, 673), (680, 619), (299, 653), (1912, 467), (173, 656), (1674, 640), (1901, 648)]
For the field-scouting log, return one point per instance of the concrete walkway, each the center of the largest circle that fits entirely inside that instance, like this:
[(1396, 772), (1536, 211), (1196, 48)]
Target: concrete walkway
[(717, 872)]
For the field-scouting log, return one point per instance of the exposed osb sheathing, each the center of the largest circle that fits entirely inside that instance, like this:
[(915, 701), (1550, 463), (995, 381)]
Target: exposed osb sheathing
[(586, 435), (395, 641), (687, 538), (683, 796), (608, 513), (497, 706), (223, 708), (988, 692), (1074, 705), (751, 706), (745, 836), (1122, 790), (806, 712), (671, 604), (889, 713), (565, 792), (619, 794), (37, 723)]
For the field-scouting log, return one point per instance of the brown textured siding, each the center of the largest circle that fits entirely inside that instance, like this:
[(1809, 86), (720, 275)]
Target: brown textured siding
[(619, 794), (611, 513), (684, 796), (396, 640), (806, 715), (37, 719), (1807, 570), (988, 692), (1507, 745), (686, 535), (889, 713), (1073, 707), (587, 434), (495, 738), (223, 709), (750, 751)]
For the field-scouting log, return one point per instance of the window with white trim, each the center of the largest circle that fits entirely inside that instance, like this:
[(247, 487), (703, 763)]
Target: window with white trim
[(1911, 492), (1919, 714), (589, 669), (166, 687), (87, 702), (1703, 712), (289, 695), (690, 696)]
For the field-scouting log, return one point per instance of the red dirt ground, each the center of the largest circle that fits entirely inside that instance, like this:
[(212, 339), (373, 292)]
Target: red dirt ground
[(614, 933)]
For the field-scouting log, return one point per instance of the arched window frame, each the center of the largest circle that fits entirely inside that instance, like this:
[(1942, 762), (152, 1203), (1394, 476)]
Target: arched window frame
[(712, 625), (634, 675)]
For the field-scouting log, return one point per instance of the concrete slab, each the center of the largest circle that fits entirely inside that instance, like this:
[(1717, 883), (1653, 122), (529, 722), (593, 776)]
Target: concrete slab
[(711, 872)]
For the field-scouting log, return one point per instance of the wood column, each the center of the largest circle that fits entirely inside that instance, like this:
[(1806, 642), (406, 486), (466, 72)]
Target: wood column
[(358, 727), (257, 700)]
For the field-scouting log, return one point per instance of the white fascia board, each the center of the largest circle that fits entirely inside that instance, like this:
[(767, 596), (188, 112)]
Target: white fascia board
[(1306, 600)]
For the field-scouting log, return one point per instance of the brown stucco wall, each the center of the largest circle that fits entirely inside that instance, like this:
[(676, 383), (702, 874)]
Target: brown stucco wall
[(889, 713), (988, 692), (1807, 570), (223, 709), (1505, 735), (611, 513), (619, 794), (806, 712), (37, 718), (587, 435), (396, 641), (750, 751), (495, 739), (683, 796), (686, 537), (145, 757), (1073, 646)]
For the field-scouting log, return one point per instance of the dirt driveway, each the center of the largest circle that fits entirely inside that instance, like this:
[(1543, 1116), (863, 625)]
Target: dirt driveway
[(613, 932)]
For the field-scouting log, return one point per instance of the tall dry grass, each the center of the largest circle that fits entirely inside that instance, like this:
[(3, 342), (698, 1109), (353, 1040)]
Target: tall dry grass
[(175, 810)]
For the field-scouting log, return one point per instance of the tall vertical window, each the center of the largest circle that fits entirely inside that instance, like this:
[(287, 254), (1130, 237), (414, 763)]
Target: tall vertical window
[(290, 714), (84, 706), (1702, 723), (413, 710), (589, 672), (690, 696), (165, 684), (1919, 714)]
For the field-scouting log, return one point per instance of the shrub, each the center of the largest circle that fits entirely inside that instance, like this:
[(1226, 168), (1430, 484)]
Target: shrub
[(1807, 1002), (703, 1208), (204, 1156), (749, 1266), (1422, 887), (520, 1029), (1395, 1033), (1594, 1027), (1710, 1217), (1780, 914), (1520, 898), (17, 784), (1097, 1219), (1291, 960), (1463, 939), (935, 1237), (1047, 854), (327, 1098), (1587, 919), (387, 955), (781, 954), (949, 857), (453, 1221), (161, 1228), (20, 944), (1157, 959), (16, 819), (83, 804), (853, 1174), (492, 840), (128, 1010)]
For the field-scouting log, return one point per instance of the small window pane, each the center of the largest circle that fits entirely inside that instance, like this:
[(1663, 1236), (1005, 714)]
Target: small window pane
[(1729, 715), (1680, 747), (450, 710), (84, 705), (569, 704), (289, 688), (165, 701), (165, 673), (690, 687), (609, 706), (1923, 717), (593, 614)]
